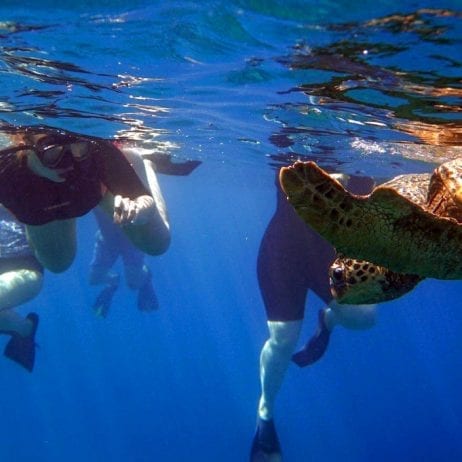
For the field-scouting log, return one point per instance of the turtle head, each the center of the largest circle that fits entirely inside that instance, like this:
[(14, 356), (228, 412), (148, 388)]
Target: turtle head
[(445, 190), (358, 282)]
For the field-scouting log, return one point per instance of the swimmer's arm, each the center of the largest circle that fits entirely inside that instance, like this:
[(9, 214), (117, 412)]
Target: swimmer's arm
[(143, 216), (151, 236), (117, 173), (126, 177)]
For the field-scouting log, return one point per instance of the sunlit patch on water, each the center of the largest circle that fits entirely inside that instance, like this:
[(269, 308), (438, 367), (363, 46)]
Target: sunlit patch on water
[(366, 95)]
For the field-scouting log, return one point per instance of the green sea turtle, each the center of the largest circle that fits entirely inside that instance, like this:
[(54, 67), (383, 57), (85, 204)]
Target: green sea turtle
[(408, 225)]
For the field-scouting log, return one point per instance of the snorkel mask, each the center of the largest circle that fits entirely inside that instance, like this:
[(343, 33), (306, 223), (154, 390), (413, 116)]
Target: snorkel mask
[(55, 153), (55, 150)]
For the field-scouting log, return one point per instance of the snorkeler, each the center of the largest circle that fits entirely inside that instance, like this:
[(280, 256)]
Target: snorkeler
[(292, 260), (50, 177), (21, 277), (110, 244)]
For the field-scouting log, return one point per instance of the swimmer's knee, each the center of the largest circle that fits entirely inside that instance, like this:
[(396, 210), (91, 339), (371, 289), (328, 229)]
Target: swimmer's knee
[(54, 244), (158, 245), (56, 264), (19, 286), (33, 282), (284, 334), (57, 267), (33, 277), (150, 240), (163, 243)]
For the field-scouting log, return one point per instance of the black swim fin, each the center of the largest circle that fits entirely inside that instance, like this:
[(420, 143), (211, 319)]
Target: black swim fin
[(265, 444), (22, 349), (104, 299), (316, 346), (147, 298)]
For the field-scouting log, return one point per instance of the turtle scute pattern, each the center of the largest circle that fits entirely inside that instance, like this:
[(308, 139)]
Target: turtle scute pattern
[(413, 187), (394, 226), (445, 191)]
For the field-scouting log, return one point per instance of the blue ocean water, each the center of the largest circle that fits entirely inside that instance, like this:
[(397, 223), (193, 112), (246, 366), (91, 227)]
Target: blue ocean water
[(243, 87)]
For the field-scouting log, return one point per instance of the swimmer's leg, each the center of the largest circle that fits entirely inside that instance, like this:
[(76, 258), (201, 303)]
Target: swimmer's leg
[(274, 361), (18, 287), (105, 254), (152, 237), (354, 317), (54, 244), (139, 277), (104, 257), (136, 272)]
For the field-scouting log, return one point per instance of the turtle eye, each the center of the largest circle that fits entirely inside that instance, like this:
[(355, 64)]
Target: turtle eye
[(337, 274)]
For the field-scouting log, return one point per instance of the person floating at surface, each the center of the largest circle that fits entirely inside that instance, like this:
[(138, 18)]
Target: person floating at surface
[(292, 260), (21, 277), (49, 177), (111, 243)]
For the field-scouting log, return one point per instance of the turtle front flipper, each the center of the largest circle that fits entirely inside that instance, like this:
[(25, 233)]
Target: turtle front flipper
[(385, 228), (319, 199)]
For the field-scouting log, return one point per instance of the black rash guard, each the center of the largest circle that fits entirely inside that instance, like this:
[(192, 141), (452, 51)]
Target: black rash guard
[(35, 200)]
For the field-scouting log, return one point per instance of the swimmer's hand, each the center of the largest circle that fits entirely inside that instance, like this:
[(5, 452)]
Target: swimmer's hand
[(132, 211)]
